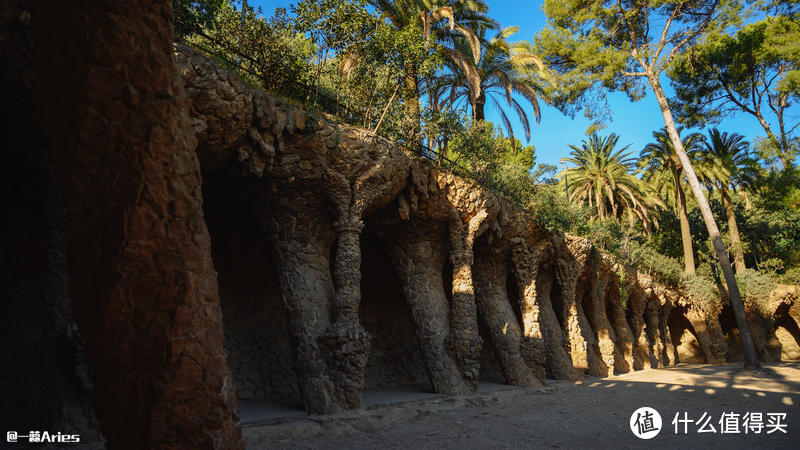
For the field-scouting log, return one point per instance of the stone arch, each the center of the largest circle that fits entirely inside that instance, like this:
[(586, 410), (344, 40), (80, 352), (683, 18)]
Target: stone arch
[(255, 324), (417, 250), (787, 331), (687, 347), (762, 329), (616, 313), (492, 273), (653, 331), (395, 356)]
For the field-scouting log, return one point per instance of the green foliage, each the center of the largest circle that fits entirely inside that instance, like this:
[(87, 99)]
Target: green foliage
[(754, 284), (659, 165), (603, 178), (267, 53), (505, 71), (706, 270), (647, 260), (551, 210), (600, 46), (771, 152), (333, 24), (478, 150), (755, 288), (192, 16), (791, 276), (606, 234), (703, 292), (755, 71), (771, 266), (772, 224)]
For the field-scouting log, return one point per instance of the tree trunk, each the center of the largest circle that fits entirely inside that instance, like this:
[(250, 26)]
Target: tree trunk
[(748, 347), (601, 210), (478, 108), (733, 231), (686, 234), (141, 277), (411, 98)]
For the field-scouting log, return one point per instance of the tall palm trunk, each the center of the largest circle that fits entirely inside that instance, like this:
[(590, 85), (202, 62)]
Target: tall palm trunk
[(733, 231), (748, 347), (686, 234), (411, 98), (478, 107), (601, 210)]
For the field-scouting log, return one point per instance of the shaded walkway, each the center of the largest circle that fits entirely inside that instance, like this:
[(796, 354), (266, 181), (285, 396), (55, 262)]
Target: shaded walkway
[(274, 411)]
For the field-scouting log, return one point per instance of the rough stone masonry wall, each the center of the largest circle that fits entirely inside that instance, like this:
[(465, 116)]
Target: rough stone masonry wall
[(460, 256), (141, 281), (44, 380), (256, 337)]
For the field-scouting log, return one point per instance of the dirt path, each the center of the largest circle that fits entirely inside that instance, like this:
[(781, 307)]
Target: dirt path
[(594, 413)]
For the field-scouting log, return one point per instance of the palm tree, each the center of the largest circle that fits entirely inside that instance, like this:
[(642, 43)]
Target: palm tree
[(440, 18), (502, 70), (728, 155), (663, 170), (603, 178)]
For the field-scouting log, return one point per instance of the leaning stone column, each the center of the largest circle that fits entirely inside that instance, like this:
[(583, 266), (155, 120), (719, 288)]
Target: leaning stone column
[(606, 337), (619, 321), (301, 252), (579, 337), (637, 299), (491, 274), (559, 363), (464, 342), (142, 281), (418, 253), (666, 335), (526, 267), (653, 330)]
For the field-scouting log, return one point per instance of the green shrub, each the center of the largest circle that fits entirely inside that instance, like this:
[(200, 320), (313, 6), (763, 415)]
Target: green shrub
[(605, 234), (703, 293), (790, 276), (755, 288), (771, 266), (550, 209), (754, 284)]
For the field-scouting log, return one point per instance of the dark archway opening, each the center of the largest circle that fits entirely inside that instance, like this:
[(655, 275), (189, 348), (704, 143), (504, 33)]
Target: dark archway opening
[(731, 332), (395, 357), (788, 333), (684, 340), (584, 296), (490, 364), (255, 326), (556, 297), (514, 296)]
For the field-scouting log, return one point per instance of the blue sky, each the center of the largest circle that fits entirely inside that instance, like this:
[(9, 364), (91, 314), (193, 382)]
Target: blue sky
[(633, 121)]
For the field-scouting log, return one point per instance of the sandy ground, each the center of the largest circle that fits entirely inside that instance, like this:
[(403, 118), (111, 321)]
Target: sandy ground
[(592, 413)]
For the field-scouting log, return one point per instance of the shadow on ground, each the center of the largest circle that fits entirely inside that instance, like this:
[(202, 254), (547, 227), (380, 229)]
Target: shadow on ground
[(593, 412)]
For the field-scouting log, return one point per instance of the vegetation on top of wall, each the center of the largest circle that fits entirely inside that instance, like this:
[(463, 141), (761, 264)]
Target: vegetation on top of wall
[(422, 73), (703, 293)]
